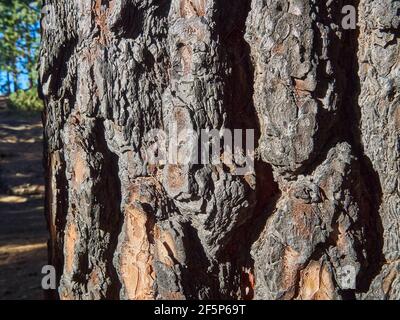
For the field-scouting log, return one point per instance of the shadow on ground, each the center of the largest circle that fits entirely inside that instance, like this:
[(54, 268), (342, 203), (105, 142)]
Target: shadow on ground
[(23, 233)]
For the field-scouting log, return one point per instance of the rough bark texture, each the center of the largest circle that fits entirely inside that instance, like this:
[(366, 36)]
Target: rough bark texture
[(323, 101)]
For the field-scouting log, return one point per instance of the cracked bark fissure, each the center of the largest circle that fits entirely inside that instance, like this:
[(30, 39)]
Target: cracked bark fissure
[(324, 104)]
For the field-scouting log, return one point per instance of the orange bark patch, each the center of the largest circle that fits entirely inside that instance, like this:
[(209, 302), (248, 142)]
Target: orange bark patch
[(94, 283), (247, 284), (143, 190), (67, 295), (397, 119), (341, 239), (186, 55), (101, 16), (316, 282), (290, 269), (79, 170), (53, 200), (192, 8), (278, 49), (144, 242), (388, 281), (301, 88), (182, 118), (173, 296), (71, 236), (136, 256), (301, 214), (175, 177), (166, 251)]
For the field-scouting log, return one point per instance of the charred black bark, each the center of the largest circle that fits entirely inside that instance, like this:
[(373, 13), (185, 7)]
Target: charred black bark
[(323, 199)]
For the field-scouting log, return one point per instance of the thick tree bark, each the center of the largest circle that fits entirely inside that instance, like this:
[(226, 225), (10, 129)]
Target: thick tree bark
[(323, 199)]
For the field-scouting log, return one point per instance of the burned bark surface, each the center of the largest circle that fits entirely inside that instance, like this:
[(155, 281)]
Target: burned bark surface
[(319, 211)]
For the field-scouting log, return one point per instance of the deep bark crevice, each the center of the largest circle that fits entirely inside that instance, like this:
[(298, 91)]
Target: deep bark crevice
[(205, 284), (351, 118), (333, 130), (242, 114), (110, 196), (55, 245)]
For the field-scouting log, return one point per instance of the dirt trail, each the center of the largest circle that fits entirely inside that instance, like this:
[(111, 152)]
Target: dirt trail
[(22, 224)]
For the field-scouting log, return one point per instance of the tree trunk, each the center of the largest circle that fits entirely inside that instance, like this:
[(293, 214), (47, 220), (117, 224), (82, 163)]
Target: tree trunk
[(8, 83), (317, 218), (15, 74)]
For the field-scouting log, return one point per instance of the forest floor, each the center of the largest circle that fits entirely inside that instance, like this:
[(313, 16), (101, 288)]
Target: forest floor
[(23, 234)]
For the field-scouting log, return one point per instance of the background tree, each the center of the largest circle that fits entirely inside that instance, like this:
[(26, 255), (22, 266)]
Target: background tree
[(19, 41)]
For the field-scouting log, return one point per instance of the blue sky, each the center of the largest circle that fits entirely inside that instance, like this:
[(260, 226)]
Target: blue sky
[(23, 78), (23, 81)]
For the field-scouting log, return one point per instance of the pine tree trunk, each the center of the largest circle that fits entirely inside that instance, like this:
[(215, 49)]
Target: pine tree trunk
[(321, 208), (8, 83)]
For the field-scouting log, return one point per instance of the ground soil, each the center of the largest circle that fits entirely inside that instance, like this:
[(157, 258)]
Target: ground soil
[(23, 233)]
